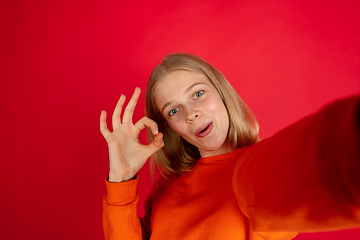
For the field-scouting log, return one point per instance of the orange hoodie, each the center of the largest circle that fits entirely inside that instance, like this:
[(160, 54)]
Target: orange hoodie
[(305, 178)]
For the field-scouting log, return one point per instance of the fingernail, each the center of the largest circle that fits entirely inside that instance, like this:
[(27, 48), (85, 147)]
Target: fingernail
[(156, 131)]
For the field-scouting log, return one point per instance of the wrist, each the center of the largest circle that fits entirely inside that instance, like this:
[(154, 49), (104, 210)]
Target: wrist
[(115, 179)]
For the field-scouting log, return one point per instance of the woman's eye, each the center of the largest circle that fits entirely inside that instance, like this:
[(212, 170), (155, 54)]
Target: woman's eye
[(173, 111), (198, 94)]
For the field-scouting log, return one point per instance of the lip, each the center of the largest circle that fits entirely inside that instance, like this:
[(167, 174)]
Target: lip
[(208, 128)]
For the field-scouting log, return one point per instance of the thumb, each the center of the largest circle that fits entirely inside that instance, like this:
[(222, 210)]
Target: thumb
[(156, 144)]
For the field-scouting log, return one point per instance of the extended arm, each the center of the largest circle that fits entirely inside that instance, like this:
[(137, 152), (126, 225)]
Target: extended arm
[(305, 178)]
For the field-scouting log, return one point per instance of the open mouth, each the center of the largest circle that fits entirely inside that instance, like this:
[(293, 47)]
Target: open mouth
[(204, 131)]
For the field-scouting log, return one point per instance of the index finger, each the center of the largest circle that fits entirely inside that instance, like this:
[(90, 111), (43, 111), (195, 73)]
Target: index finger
[(129, 110)]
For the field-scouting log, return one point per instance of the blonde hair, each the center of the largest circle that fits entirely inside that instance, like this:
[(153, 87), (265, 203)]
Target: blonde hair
[(179, 156)]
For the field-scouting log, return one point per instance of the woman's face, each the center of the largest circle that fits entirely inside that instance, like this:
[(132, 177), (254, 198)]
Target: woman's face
[(193, 108)]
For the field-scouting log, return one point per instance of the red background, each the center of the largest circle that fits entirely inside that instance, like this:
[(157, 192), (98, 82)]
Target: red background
[(62, 62)]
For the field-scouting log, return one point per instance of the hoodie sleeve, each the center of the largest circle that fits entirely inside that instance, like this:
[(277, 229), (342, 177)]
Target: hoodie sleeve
[(120, 220), (305, 178)]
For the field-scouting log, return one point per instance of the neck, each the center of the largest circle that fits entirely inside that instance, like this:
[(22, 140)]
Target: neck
[(209, 153)]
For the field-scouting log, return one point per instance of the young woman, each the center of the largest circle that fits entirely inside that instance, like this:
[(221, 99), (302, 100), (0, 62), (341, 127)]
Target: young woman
[(219, 181)]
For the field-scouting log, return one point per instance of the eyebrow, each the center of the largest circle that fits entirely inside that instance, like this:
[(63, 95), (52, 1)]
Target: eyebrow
[(186, 91)]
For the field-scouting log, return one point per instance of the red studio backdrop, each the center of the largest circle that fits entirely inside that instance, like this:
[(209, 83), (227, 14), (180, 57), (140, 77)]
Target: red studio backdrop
[(62, 62)]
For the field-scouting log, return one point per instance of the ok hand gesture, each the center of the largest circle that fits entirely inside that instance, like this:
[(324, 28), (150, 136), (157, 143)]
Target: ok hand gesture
[(127, 155)]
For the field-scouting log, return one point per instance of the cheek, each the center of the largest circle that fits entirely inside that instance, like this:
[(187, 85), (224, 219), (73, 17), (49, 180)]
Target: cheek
[(177, 127), (216, 105), (221, 112)]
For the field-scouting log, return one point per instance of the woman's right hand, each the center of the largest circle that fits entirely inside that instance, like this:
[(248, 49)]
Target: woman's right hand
[(127, 155)]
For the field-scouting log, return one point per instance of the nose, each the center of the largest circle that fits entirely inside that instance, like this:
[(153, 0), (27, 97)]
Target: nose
[(192, 114)]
